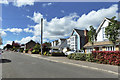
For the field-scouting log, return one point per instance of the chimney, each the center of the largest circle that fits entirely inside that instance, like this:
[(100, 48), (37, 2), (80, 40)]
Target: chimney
[(85, 32)]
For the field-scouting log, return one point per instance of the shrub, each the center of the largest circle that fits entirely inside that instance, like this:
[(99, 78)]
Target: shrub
[(21, 49), (26, 51), (35, 52), (40, 53), (89, 57), (107, 57), (57, 54), (30, 49), (80, 56), (45, 53), (70, 56)]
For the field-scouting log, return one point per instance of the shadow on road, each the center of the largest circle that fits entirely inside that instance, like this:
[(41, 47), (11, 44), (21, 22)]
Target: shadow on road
[(5, 61)]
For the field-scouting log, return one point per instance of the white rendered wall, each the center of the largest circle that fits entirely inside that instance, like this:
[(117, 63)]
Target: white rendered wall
[(100, 36)]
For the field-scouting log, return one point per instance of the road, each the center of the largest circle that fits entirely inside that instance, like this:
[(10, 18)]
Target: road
[(16, 65)]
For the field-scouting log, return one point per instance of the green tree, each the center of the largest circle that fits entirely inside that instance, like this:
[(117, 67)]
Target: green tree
[(111, 31), (92, 35), (37, 47)]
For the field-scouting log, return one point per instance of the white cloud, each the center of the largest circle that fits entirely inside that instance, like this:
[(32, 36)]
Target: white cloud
[(3, 33), (95, 17), (16, 30), (46, 4), (28, 30), (20, 3), (4, 2), (36, 17), (27, 39), (8, 42), (61, 27)]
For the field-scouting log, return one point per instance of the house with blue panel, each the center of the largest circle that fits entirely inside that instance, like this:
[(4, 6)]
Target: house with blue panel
[(77, 39)]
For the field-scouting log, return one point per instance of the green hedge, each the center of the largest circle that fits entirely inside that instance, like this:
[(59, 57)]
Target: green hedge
[(57, 54), (26, 51), (81, 56), (35, 52)]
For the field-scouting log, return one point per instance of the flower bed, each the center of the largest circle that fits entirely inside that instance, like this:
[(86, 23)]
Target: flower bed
[(107, 57)]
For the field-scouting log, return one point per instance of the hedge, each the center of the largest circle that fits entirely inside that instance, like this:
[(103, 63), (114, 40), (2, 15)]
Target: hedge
[(107, 57), (57, 54), (81, 56)]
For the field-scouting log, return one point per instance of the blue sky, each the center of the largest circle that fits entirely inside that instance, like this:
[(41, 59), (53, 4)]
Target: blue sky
[(21, 22)]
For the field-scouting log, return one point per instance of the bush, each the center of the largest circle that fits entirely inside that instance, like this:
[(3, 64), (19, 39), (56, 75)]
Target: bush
[(35, 52), (45, 53), (26, 51), (21, 49), (81, 56), (57, 54), (70, 56), (107, 57), (89, 57), (40, 53), (30, 49)]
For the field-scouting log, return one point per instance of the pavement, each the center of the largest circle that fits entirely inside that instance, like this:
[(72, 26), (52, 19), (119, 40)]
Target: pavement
[(19, 65)]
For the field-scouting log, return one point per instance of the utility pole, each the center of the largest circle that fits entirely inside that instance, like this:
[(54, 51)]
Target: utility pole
[(41, 35)]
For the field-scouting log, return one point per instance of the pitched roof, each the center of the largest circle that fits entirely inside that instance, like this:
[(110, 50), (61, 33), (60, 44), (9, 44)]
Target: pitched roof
[(62, 39), (109, 20), (80, 32), (103, 43), (31, 41)]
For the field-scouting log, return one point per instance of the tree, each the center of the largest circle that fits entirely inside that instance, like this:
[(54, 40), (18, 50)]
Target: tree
[(92, 35), (8, 46), (37, 47), (112, 30)]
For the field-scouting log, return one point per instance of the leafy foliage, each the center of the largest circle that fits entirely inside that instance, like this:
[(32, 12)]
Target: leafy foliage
[(107, 57), (112, 30), (81, 56), (36, 47), (8, 46), (92, 34)]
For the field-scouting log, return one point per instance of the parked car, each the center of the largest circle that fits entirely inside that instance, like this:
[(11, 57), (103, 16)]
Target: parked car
[(70, 52), (54, 51)]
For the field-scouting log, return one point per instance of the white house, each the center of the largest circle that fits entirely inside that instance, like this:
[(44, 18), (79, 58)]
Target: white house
[(102, 43), (59, 44), (54, 43), (77, 39)]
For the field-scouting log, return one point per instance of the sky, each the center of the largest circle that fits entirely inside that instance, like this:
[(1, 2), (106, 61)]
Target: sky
[(21, 21)]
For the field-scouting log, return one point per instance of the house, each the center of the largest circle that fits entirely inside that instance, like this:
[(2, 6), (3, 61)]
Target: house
[(16, 45), (22, 46), (30, 44), (77, 39), (54, 43), (102, 43), (59, 44)]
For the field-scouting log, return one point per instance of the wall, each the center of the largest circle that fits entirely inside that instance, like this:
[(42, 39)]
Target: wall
[(30, 45), (101, 33)]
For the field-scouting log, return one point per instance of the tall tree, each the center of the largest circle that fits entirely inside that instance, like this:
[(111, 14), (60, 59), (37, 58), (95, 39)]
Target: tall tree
[(112, 30), (92, 35)]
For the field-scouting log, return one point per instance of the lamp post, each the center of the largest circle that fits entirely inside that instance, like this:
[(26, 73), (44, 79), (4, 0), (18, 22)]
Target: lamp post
[(41, 35)]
